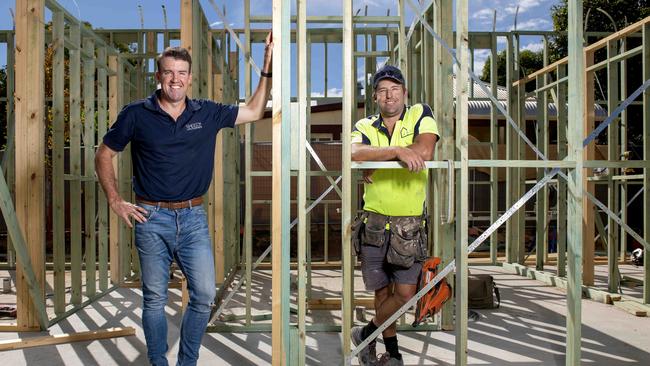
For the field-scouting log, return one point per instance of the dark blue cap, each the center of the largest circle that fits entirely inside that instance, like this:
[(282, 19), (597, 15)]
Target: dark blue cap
[(387, 72)]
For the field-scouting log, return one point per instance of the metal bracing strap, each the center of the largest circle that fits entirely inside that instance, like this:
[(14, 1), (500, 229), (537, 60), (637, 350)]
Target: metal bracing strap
[(317, 201), (412, 27), (416, 20), (480, 83), (266, 252), (234, 36), (618, 220), (322, 167), (629, 202)]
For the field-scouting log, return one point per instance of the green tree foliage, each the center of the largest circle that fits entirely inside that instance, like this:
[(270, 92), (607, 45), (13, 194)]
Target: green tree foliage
[(623, 13), (597, 21), (3, 82), (529, 62)]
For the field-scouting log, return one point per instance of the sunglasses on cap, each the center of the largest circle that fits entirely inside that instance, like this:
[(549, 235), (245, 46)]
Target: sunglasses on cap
[(387, 72)]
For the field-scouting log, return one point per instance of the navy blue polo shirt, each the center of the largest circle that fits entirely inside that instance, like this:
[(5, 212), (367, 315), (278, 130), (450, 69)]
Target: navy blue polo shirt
[(172, 160)]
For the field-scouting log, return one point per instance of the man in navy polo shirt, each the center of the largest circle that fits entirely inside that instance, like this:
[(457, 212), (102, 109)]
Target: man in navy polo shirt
[(172, 147)]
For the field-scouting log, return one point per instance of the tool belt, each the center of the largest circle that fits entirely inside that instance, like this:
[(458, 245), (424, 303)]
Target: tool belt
[(406, 236)]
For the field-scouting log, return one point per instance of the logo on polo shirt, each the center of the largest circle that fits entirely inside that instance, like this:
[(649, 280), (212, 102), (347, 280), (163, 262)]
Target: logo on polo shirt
[(193, 126)]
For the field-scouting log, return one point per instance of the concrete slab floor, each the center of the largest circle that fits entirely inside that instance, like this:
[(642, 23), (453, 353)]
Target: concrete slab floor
[(528, 329)]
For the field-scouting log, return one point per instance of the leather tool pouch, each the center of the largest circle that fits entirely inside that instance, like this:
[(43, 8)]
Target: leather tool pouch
[(357, 226), (405, 244), (374, 231)]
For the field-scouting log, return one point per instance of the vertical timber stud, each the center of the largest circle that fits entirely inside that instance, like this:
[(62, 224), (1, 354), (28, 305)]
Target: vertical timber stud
[(588, 208), (210, 195), (30, 152), (612, 154), (346, 184), (151, 49), (562, 184), (281, 151), (646, 156), (230, 159), (217, 195), (308, 47), (189, 40), (209, 204), (302, 178), (443, 107), (58, 182), (462, 53), (89, 171), (101, 198), (115, 100), (434, 205), (545, 145), (403, 49), (494, 153), (10, 162), (541, 203), (248, 159), (429, 42), (624, 146), (520, 154), (75, 164), (511, 224), (575, 215)]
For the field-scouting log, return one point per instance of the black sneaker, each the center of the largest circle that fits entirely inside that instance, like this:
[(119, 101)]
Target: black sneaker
[(368, 355)]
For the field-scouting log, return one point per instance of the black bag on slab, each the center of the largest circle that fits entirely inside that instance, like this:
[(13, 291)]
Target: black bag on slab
[(482, 293), (637, 257)]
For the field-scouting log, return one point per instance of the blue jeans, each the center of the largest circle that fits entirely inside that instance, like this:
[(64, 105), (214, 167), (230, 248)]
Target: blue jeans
[(181, 235)]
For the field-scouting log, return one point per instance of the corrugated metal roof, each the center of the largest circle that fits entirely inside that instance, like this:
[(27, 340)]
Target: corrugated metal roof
[(480, 109), (478, 93)]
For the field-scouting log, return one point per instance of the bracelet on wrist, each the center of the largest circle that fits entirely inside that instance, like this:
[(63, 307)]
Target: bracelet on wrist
[(266, 74)]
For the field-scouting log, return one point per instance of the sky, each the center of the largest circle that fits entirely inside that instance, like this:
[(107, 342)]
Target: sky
[(116, 14)]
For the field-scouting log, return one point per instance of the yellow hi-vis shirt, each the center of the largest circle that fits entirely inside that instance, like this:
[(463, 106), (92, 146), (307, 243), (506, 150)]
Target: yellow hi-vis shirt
[(395, 192)]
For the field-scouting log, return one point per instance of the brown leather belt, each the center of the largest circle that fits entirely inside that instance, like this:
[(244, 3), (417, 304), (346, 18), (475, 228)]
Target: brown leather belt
[(172, 205)]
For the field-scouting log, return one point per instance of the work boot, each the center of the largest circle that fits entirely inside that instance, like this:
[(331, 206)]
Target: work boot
[(386, 360), (368, 355)]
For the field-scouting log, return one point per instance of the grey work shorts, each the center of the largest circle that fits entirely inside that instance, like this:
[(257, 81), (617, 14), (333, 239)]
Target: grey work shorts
[(378, 273)]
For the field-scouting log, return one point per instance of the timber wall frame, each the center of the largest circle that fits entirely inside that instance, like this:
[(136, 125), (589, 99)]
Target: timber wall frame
[(615, 51), (121, 78), (516, 162), (98, 81), (98, 255)]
